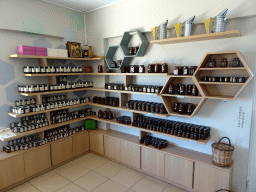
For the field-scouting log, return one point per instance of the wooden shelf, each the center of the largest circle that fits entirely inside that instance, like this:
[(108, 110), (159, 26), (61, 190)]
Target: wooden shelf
[(220, 97), (182, 96), (132, 74), (222, 69), (126, 109), (220, 83), (113, 121), (53, 92), (45, 111), (122, 91), (181, 76), (53, 74), (49, 57), (201, 37), (4, 155), (18, 135)]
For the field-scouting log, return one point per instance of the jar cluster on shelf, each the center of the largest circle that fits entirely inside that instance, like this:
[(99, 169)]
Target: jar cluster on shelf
[(29, 123), (144, 88), (183, 108), (176, 128), (61, 132), (63, 115), (224, 79), (53, 87), (150, 107), (224, 63), (124, 120), (182, 89), (23, 143), (152, 68), (133, 50), (153, 141), (184, 70), (52, 69), (111, 101), (114, 86), (52, 102), (116, 64), (105, 114)]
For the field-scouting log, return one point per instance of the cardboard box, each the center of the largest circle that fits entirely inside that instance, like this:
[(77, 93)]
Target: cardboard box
[(41, 51), (52, 52), (62, 53), (26, 50)]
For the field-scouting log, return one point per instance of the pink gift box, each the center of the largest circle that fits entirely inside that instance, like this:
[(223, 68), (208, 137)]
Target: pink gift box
[(26, 50), (41, 51)]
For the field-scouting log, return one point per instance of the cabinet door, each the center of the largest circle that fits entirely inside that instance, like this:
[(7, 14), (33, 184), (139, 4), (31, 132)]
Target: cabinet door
[(130, 154), (37, 160), (61, 151), (112, 147), (179, 170), (96, 143), (80, 143), (210, 179), (11, 171), (152, 161)]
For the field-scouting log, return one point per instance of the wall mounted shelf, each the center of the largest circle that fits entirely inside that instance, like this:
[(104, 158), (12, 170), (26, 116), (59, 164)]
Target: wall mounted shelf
[(101, 74), (222, 90), (201, 37), (58, 58)]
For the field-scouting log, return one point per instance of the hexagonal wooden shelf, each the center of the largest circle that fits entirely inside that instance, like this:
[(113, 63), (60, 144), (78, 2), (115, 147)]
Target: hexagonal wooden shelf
[(222, 90), (169, 99), (125, 42), (109, 58)]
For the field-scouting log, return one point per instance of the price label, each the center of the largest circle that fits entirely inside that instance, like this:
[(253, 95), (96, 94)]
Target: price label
[(150, 94), (150, 114), (193, 141), (180, 96)]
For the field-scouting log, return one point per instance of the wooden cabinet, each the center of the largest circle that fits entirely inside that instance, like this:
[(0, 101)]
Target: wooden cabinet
[(80, 143), (179, 170), (112, 147), (11, 171), (152, 161), (61, 151), (96, 143), (130, 154), (37, 160), (210, 179)]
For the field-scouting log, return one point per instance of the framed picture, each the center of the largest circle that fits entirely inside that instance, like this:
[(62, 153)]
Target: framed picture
[(74, 49)]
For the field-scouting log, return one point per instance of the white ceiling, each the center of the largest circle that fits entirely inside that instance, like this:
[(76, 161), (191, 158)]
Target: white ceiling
[(84, 5)]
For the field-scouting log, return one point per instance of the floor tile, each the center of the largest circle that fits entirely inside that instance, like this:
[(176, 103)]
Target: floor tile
[(90, 181), (109, 169), (149, 184), (130, 190), (93, 162), (74, 172), (26, 187), (52, 184), (71, 188), (111, 186), (43, 177), (128, 177), (84, 157), (171, 188), (65, 166)]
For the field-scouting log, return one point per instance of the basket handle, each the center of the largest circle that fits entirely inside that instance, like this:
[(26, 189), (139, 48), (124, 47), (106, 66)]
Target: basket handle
[(227, 139), (223, 190)]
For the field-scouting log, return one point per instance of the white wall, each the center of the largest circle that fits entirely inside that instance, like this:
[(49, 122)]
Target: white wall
[(221, 116)]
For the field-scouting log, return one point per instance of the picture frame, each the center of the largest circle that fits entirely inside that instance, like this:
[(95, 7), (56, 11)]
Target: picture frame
[(74, 49)]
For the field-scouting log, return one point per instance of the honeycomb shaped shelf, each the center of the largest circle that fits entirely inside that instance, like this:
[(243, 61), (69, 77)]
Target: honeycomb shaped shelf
[(110, 55), (170, 99), (126, 39), (222, 90)]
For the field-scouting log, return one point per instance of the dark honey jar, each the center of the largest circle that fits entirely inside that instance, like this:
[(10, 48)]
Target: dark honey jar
[(98, 99), (116, 102), (105, 114), (212, 63), (151, 68), (100, 114), (134, 69), (164, 68), (141, 69), (157, 68), (94, 100), (176, 107), (103, 100), (100, 69), (171, 89), (224, 63), (148, 107)]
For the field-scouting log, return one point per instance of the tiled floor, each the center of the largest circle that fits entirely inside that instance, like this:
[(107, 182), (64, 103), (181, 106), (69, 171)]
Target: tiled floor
[(93, 173)]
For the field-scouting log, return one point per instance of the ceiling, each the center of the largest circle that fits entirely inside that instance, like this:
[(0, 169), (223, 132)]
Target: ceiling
[(84, 5)]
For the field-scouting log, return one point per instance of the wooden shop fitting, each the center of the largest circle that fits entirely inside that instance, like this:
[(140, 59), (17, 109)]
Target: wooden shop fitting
[(222, 90), (187, 169)]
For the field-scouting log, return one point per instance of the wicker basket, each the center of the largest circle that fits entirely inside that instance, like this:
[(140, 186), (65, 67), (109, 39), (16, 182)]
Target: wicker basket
[(222, 153)]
